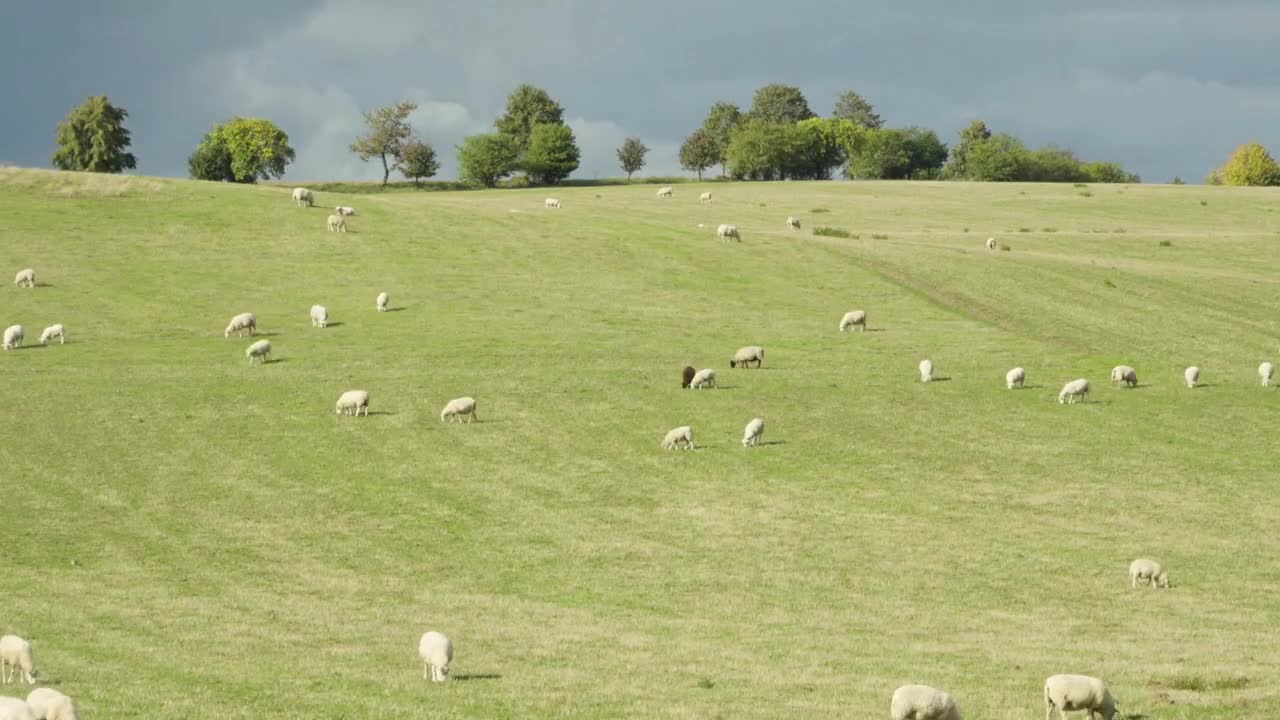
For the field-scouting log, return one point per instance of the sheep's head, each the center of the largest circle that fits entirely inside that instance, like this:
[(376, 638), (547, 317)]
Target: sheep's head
[(444, 670), (1163, 579), (1107, 709), (733, 363)]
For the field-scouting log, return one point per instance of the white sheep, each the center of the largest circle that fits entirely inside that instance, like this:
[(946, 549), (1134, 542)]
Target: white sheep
[(793, 223), (351, 402), (703, 378), (382, 301), (319, 316), (726, 232), (49, 704), (16, 661), (345, 210), (682, 434), (664, 192), (1078, 692), (1192, 376), (1124, 374), (1015, 378), (744, 355), (921, 702), (1266, 371), (337, 224), (12, 708), (303, 196), (751, 434), (54, 331), (1148, 571), (13, 336), (260, 350), (705, 197), (1076, 389), (240, 323), (459, 408), (25, 278), (854, 318), (436, 652), (991, 243), (551, 203), (926, 370)]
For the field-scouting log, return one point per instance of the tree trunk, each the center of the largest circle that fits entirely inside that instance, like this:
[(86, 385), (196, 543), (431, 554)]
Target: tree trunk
[(629, 175), (386, 171), (699, 176)]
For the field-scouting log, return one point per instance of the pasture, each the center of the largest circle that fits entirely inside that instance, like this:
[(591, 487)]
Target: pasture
[(190, 536)]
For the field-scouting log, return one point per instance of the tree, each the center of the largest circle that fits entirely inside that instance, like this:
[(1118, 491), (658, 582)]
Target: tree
[(817, 150), (699, 152), (552, 154), (486, 159), (388, 129), (853, 107), (418, 160), (1052, 164), (631, 156), (93, 138), (528, 106), (718, 127), (242, 150), (1000, 158), (760, 150), (975, 133), (1110, 172), (925, 153), (1250, 164), (883, 155), (1176, 181), (211, 160), (779, 103)]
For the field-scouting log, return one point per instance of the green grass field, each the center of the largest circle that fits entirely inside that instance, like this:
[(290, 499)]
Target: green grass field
[(189, 536)]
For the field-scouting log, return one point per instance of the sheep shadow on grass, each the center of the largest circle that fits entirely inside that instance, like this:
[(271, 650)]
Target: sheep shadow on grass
[(263, 334), (332, 324), (378, 412), (938, 379), (771, 442), (395, 309), (273, 361), (477, 676)]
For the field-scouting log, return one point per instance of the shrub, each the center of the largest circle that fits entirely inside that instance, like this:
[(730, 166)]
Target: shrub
[(1085, 193), (879, 236), (832, 232), (1166, 243), (817, 211)]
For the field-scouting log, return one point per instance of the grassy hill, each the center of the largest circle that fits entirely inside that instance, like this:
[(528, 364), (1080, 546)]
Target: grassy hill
[(189, 536)]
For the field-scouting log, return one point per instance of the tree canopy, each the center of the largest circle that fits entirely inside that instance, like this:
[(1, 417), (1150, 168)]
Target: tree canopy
[(853, 107), (631, 155), (528, 106), (93, 138), (486, 159), (388, 130), (1250, 164), (242, 150), (418, 160), (778, 103), (552, 154), (699, 152)]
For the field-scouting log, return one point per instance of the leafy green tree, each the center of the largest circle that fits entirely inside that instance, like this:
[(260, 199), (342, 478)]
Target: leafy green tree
[(1110, 172), (779, 103), (718, 128), (1051, 164), (1000, 158), (631, 156), (211, 160), (816, 149), (1176, 181), (853, 107), (528, 106), (552, 154), (1214, 177), (418, 160), (93, 138), (699, 152), (976, 132), (242, 150), (760, 150), (883, 155), (486, 159), (388, 130), (926, 153), (1250, 164)]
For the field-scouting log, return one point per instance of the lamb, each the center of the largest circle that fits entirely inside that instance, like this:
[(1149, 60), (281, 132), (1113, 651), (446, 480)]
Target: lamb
[(726, 232), (351, 402), (337, 224), (1078, 692), (705, 197), (14, 709), (1124, 374), (1192, 375), (436, 652), (1266, 371), (49, 704), (345, 210), (1148, 571), (382, 301), (13, 336), (459, 408), (1015, 378), (751, 434), (703, 378), (854, 318), (25, 278), (319, 316), (750, 353), (921, 702), (240, 323), (686, 376), (991, 243), (260, 350), (682, 434), (552, 203), (793, 223), (303, 195), (54, 331), (926, 370), (16, 660), (664, 192), (1076, 389)]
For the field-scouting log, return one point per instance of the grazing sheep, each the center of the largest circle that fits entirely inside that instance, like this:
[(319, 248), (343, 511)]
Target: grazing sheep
[(926, 371), (921, 702), (750, 353), (303, 195), (49, 704), (1148, 571), (682, 434), (259, 350), (686, 376), (459, 408), (382, 301), (12, 708), (25, 278), (351, 402), (1073, 390), (793, 223), (345, 210), (751, 434), (664, 192), (436, 652), (552, 203), (726, 232), (854, 318), (1192, 375), (1124, 374), (1078, 692), (319, 316), (54, 331), (1266, 371), (240, 323), (1015, 378), (703, 378), (16, 660), (705, 197), (337, 224), (991, 243), (13, 336)]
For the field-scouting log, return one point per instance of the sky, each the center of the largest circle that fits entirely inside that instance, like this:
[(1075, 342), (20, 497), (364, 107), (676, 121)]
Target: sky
[(1166, 88)]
